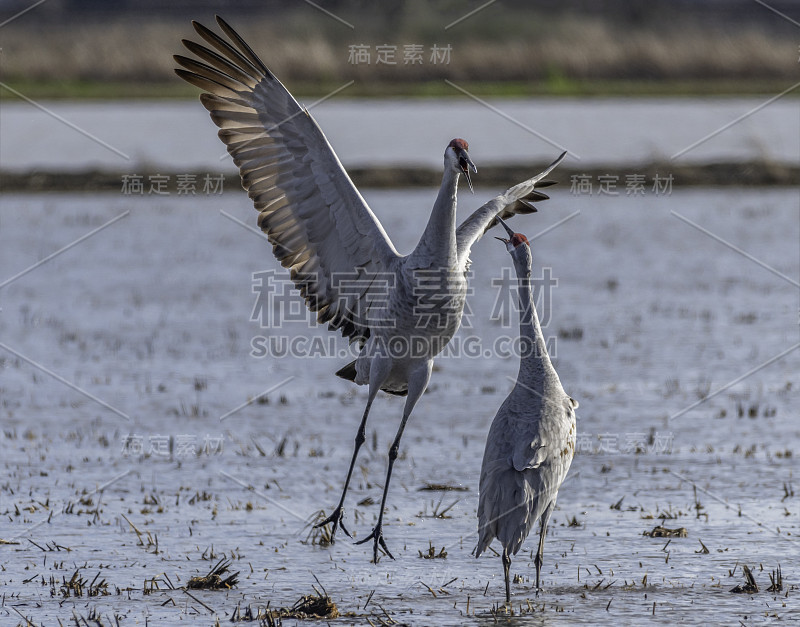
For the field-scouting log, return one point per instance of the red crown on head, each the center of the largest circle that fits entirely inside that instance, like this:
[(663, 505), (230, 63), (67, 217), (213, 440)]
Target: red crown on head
[(459, 144), (519, 238)]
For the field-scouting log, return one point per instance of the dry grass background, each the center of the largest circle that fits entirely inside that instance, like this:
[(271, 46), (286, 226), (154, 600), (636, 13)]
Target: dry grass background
[(499, 44)]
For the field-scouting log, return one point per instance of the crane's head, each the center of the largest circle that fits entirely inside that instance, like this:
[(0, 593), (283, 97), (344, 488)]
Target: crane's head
[(514, 239), (519, 247), (456, 155)]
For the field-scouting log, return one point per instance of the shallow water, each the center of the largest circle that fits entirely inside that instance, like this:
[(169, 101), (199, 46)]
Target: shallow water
[(152, 317), (180, 137)]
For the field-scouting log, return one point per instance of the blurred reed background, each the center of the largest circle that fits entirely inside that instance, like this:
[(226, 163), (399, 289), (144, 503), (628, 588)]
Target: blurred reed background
[(74, 48)]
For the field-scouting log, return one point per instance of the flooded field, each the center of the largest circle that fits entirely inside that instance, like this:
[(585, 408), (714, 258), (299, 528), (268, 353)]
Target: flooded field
[(597, 131), (135, 455)]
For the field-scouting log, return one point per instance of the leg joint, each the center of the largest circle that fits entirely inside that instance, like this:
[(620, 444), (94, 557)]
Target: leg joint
[(360, 437)]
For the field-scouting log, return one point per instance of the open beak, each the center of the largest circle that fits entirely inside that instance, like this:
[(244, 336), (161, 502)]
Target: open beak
[(466, 163), (508, 230), (505, 226)]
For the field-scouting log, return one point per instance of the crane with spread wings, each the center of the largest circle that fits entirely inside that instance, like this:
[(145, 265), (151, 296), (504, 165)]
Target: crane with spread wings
[(401, 310)]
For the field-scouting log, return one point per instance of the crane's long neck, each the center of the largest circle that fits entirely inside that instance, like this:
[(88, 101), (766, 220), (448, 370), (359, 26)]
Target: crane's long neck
[(535, 368), (437, 246)]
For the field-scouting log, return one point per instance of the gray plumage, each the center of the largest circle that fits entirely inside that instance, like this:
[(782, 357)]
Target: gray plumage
[(532, 438), (401, 310)]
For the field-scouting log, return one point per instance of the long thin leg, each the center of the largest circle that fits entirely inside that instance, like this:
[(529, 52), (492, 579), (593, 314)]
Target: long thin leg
[(337, 516), (540, 552), (506, 568), (378, 373), (417, 382)]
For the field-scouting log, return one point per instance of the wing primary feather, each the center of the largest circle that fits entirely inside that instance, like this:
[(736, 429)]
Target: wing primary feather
[(225, 48), (220, 62), (204, 82), (242, 45), (214, 74)]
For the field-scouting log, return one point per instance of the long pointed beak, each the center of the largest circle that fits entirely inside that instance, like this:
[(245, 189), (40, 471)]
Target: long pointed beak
[(469, 162), (502, 239), (466, 164), (505, 226)]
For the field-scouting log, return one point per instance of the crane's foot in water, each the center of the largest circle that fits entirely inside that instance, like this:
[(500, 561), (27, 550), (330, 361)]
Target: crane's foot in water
[(337, 518), (377, 537)]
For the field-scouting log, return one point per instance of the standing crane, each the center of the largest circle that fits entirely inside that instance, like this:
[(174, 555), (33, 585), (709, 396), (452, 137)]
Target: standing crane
[(401, 310), (532, 438)]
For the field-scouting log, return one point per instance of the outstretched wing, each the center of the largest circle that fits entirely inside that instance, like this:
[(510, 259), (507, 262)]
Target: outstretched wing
[(319, 225), (516, 200)]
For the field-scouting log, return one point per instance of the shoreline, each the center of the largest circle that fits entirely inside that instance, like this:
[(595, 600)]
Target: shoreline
[(614, 179), (82, 90)]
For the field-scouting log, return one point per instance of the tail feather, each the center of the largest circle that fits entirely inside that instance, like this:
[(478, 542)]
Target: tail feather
[(485, 536), (348, 372)]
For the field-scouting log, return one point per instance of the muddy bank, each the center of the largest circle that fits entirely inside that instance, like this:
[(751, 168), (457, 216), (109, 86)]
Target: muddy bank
[(612, 180)]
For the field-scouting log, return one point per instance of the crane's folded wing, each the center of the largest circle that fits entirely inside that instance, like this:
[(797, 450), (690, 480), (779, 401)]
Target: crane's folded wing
[(320, 227), (528, 455)]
